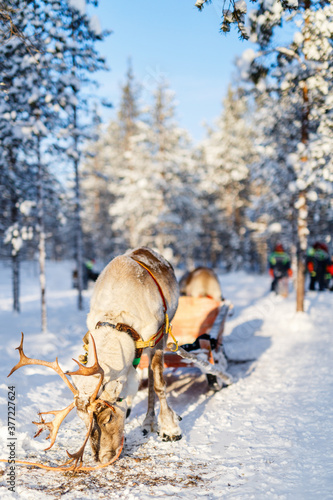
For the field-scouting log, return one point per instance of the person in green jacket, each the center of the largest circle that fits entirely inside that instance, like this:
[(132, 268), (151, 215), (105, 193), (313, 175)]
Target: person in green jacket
[(279, 265)]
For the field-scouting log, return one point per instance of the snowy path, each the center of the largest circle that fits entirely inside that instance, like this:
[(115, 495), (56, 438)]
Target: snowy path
[(267, 436)]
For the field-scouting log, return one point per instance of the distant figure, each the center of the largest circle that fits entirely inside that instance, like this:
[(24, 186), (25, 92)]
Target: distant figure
[(88, 272), (330, 286), (319, 266), (279, 266), (201, 282)]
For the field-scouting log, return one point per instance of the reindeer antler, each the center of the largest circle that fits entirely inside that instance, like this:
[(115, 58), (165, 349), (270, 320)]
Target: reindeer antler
[(78, 456), (24, 361), (54, 425), (90, 370), (60, 415)]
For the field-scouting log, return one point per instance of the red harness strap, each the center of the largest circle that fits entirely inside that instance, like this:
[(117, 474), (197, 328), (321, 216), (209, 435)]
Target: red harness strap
[(166, 327), (157, 284)]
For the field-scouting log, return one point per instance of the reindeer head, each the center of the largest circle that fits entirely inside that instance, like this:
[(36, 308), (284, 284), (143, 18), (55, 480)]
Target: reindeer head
[(116, 352), (107, 432), (104, 421), (107, 428)]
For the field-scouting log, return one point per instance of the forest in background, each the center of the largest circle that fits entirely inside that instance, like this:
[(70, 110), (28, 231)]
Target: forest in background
[(74, 187)]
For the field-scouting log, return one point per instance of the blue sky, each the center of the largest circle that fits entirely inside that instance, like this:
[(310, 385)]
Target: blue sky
[(170, 38)]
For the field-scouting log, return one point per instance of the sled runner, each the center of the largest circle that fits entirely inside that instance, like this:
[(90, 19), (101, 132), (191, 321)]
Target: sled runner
[(198, 328)]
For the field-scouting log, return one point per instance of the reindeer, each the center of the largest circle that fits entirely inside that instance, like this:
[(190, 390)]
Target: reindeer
[(134, 298), (201, 282)]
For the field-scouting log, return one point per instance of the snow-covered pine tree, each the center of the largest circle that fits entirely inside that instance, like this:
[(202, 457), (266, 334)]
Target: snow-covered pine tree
[(271, 212), (172, 175), (133, 209), (42, 118), (129, 110), (35, 85), (301, 72), (145, 163), (17, 173), (100, 158), (40, 90), (154, 195), (234, 12), (75, 40), (105, 169), (225, 155)]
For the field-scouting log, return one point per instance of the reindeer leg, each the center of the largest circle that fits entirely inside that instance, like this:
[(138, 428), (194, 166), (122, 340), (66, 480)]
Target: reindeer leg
[(168, 420), (150, 423)]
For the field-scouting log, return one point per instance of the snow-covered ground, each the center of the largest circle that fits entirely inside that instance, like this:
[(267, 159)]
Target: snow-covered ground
[(269, 435)]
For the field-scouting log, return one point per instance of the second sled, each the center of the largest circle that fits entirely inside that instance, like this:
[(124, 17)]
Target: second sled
[(198, 328)]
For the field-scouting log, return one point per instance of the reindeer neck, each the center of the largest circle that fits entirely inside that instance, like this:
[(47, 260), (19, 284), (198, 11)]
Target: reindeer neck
[(121, 327)]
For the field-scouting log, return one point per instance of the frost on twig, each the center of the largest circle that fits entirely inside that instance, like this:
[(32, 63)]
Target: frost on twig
[(232, 12), (8, 27)]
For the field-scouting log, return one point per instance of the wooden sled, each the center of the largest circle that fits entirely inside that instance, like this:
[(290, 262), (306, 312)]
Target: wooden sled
[(198, 327)]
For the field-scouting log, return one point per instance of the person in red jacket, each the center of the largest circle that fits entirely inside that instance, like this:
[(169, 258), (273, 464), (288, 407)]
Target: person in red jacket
[(330, 269), (319, 266)]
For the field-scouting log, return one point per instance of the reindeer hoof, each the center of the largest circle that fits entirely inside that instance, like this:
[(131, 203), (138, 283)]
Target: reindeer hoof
[(179, 418), (165, 437)]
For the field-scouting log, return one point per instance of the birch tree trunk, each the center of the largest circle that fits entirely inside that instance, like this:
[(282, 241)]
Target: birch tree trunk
[(301, 205), (302, 244), (77, 209), (302, 214), (15, 260), (16, 282), (78, 228), (41, 245)]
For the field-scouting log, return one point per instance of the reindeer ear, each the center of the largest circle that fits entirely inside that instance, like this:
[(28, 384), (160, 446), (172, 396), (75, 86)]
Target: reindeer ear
[(105, 417), (103, 405)]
